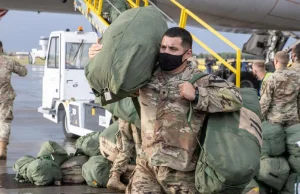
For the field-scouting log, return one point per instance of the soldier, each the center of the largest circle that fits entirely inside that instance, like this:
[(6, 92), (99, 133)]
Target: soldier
[(259, 71), (296, 58), (128, 143), (280, 93), (7, 96), (169, 150), (169, 145)]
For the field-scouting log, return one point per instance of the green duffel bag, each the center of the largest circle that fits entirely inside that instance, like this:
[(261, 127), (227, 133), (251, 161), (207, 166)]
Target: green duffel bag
[(73, 179), (72, 169), (273, 172), (108, 142), (293, 140), (273, 139), (74, 161), (292, 185), (88, 144), (20, 167), (294, 163), (230, 154), (123, 109), (96, 171), (43, 172), (75, 170), (251, 100), (121, 5), (129, 54), (113, 14), (53, 151)]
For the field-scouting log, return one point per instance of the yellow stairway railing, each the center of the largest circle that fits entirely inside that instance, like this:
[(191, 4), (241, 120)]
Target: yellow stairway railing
[(95, 6)]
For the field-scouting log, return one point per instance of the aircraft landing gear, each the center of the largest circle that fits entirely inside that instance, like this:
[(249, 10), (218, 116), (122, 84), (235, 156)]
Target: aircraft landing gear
[(265, 45)]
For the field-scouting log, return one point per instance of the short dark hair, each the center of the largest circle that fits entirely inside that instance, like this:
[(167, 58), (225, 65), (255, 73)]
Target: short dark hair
[(186, 37), (1, 45), (296, 51)]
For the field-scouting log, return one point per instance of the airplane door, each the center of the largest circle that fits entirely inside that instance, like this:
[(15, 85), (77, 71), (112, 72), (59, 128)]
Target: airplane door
[(51, 79)]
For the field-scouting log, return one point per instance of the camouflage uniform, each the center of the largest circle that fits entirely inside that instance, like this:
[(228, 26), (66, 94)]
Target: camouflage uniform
[(7, 94), (295, 66), (170, 146), (279, 99), (128, 142)]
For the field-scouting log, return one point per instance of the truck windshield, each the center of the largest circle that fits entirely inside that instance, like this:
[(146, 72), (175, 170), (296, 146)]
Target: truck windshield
[(77, 55)]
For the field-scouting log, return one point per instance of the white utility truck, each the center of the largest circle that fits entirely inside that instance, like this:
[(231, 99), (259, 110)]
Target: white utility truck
[(67, 96)]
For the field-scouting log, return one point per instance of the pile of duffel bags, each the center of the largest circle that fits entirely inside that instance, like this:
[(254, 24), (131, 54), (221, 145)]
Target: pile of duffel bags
[(53, 163), (280, 160), (50, 165)]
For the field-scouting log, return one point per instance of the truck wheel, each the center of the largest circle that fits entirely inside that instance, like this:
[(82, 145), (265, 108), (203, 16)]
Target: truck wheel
[(68, 135), (247, 80)]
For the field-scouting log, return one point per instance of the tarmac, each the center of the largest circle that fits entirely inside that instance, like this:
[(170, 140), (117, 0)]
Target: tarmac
[(30, 130)]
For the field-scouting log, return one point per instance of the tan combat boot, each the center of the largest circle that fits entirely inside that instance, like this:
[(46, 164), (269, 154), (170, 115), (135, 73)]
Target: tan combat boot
[(3, 150), (114, 183)]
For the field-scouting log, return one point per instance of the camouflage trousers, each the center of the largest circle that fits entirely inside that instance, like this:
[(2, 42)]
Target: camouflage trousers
[(6, 117), (128, 143), (160, 179)]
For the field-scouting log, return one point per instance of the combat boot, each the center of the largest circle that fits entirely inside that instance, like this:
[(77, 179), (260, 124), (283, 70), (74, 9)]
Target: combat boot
[(126, 175), (114, 183), (3, 150)]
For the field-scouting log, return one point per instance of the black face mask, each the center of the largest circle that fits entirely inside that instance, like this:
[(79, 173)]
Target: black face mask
[(169, 62)]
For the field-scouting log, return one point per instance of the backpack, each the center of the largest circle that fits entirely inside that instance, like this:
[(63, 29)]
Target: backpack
[(230, 147)]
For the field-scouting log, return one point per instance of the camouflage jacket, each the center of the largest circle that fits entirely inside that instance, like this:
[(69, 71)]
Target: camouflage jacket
[(167, 139), (7, 67), (279, 97), (295, 66)]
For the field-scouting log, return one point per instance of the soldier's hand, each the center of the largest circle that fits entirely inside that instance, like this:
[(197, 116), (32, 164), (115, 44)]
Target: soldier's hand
[(187, 91), (94, 49)]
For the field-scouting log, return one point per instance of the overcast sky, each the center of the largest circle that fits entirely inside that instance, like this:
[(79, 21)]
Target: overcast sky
[(20, 31)]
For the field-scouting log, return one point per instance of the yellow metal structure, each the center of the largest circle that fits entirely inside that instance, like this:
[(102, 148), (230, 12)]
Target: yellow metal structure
[(96, 7), (182, 23)]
